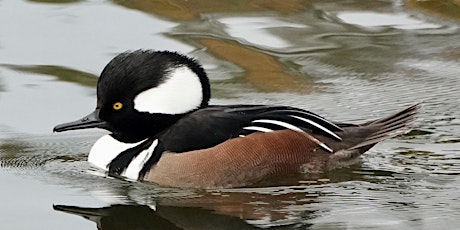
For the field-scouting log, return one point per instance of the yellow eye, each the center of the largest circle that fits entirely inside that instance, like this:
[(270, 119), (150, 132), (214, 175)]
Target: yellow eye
[(117, 105)]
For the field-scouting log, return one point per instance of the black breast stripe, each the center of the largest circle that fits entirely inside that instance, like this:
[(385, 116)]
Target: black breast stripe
[(120, 163), (154, 158)]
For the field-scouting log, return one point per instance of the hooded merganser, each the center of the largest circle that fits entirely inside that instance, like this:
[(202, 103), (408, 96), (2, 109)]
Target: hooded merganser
[(155, 104)]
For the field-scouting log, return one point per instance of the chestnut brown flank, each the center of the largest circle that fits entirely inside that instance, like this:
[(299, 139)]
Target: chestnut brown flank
[(238, 162)]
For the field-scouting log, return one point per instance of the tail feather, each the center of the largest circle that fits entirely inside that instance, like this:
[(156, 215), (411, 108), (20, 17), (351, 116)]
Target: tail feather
[(407, 113), (385, 131), (389, 126)]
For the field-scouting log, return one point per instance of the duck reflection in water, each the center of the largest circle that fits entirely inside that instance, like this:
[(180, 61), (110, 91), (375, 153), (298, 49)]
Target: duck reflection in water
[(164, 217)]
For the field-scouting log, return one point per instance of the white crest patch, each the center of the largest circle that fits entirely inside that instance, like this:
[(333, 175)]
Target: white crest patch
[(180, 93), (106, 149), (136, 165)]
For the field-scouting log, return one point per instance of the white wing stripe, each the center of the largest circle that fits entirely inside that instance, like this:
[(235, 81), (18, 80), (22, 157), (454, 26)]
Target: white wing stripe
[(280, 123), (295, 128), (324, 146), (318, 126), (320, 118), (260, 129)]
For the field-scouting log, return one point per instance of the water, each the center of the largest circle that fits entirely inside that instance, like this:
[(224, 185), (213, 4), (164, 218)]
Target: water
[(350, 61)]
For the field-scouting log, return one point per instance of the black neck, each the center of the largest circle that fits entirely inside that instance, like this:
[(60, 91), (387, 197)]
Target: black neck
[(143, 127)]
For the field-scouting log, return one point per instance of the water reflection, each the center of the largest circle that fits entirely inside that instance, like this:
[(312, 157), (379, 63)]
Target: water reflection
[(62, 73), (398, 21), (261, 70), (54, 1), (226, 209), (448, 9), (386, 199), (283, 44), (121, 217), (184, 10), (163, 217)]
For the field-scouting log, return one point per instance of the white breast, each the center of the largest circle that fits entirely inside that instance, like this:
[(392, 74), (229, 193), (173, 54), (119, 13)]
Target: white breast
[(106, 149)]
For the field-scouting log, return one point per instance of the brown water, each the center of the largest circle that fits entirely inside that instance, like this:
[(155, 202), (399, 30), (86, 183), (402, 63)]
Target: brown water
[(350, 61)]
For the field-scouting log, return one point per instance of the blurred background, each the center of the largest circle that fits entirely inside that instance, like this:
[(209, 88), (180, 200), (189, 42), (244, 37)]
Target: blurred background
[(350, 61)]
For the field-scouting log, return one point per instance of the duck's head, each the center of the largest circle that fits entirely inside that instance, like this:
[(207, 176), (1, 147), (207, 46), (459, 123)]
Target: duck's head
[(141, 93)]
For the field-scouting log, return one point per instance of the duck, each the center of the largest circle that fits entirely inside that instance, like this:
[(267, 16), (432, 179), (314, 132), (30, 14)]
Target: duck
[(162, 129)]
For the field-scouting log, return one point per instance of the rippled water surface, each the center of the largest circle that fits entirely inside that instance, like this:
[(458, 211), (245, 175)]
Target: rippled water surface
[(350, 61)]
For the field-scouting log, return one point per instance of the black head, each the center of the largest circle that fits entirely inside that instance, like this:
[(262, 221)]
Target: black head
[(141, 93)]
